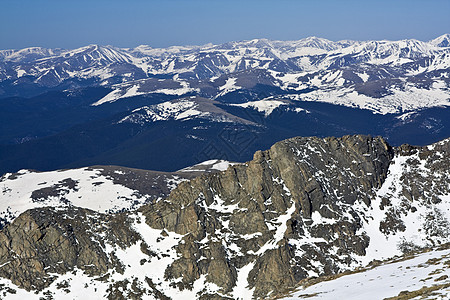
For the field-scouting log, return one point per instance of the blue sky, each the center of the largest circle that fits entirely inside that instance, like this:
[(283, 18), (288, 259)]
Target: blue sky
[(161, 23)]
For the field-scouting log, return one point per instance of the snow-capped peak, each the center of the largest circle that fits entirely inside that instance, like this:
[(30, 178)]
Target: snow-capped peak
[(320, 43), (27, 54), (441, 41)]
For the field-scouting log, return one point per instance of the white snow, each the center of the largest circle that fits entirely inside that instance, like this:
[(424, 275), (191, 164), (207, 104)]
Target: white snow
[(221, 165), (264, 106), (84, 287), (383, 246), (93, 191), (183, 89), (176, 110), (411, 98), (406, 116), (127, 91), (213, 164), (299, 110), (133, 91), (314, 56), (110, 97), (20, 73), (241, 290), (364, 76), (445, 38), (317, 218), (81, 287), (384, 281), (281, 227), (219, 206), (155, 268), (229, 86)]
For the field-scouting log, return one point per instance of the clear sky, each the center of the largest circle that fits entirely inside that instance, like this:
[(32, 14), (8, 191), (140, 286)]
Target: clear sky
[(161, 23)]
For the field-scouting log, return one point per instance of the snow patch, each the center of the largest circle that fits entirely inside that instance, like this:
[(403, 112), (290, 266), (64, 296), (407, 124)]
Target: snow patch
[(92, 190), (281, 227), (411, 98), (241, 291), (176, 110), (229, 86), (264, 106), (384, 281)]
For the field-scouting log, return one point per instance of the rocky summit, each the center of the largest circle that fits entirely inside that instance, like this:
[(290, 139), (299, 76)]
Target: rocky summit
[(305, 208)]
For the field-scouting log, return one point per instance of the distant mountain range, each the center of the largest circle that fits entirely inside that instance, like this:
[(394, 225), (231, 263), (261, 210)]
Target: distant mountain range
[(107, 105), (350, 72)]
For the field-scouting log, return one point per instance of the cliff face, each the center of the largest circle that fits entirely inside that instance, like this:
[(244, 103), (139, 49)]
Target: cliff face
[(305, 207), (42, 242), (285, 209)]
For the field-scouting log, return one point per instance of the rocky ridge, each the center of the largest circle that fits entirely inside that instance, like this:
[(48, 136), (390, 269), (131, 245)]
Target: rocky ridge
[(305, 207)]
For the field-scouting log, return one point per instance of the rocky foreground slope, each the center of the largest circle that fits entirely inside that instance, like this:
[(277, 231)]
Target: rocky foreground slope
[(305, 207)]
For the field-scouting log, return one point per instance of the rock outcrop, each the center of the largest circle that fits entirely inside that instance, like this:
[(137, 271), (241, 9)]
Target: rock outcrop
[(250, 207), (42, 242), (305, 207)]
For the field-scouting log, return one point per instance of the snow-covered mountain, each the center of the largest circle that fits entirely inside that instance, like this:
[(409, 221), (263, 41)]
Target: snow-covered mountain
[(372, 69), (383, 94), (310, 54), (441, 41)]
